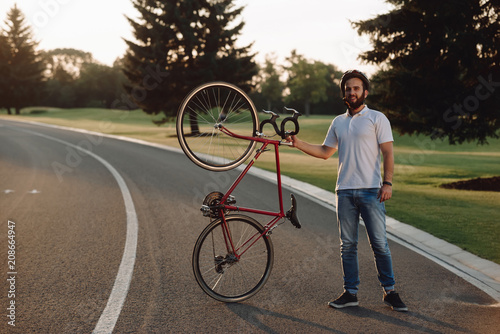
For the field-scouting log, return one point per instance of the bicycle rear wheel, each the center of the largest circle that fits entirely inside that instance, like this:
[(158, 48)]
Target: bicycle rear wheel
[(198, 120), (218, 271)]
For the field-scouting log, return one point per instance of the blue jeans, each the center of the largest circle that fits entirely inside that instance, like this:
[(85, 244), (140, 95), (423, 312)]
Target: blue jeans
[(352, 203)]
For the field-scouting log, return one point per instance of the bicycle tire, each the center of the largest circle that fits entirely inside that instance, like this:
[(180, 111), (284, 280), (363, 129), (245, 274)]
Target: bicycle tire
[(199, 115), (240, 280)]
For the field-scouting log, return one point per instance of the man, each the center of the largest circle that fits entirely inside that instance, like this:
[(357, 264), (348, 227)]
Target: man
[(361, 136)]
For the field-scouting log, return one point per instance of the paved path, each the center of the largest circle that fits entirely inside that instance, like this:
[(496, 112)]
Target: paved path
[(72, 234), (482, 273)]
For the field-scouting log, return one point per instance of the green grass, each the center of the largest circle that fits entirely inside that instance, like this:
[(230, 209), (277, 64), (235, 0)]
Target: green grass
[(468, 219)]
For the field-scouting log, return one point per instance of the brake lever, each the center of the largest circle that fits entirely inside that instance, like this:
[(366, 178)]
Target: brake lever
[(295, 113), (272, 113)]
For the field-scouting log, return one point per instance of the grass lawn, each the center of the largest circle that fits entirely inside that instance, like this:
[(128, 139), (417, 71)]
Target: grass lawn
[(468, 219)]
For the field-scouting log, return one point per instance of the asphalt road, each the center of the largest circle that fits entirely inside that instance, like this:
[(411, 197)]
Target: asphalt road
[(71, 221)]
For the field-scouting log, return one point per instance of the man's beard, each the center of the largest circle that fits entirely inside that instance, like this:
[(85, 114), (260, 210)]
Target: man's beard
[(355, 105)]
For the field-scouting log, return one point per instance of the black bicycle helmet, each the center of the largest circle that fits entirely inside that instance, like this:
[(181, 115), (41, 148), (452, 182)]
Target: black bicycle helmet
[(354, 74)]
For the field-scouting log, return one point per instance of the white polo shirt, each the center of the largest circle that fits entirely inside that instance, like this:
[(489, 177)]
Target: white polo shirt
[(357, 139)]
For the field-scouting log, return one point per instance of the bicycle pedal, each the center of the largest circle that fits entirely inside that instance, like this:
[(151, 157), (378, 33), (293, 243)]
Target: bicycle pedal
[(292, 213)]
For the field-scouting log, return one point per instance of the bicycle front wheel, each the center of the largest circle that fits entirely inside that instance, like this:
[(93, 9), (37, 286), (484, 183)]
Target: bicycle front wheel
[(219, 272), (200, 116)]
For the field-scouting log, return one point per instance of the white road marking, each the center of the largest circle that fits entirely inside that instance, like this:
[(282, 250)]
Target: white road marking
[(109, 316), (34, 191), (8, 191)]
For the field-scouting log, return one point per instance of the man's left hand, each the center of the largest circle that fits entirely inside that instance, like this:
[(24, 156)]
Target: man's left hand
[(384, 193)]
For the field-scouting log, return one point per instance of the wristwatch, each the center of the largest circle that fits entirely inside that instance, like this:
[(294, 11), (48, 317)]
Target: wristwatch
[(387, 182)]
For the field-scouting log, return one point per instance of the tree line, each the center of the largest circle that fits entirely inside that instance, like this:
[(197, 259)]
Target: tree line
[(439, 61), (153, 75), (57, 78)]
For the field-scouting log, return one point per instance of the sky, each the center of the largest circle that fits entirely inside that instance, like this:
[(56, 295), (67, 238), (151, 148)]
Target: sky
[(317, 29)]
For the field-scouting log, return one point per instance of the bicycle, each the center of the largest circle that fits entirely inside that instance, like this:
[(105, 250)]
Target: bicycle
[(217, 130)]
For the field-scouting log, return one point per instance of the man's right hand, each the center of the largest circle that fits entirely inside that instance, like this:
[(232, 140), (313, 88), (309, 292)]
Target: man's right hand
[(292, 139)]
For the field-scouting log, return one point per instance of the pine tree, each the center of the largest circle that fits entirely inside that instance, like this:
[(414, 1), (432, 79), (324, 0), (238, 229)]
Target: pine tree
[(181, 44), (441, 65), (219, 58), (24, 71)]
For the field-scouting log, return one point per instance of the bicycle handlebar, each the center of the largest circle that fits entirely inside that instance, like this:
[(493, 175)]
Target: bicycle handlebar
[(281, 131)]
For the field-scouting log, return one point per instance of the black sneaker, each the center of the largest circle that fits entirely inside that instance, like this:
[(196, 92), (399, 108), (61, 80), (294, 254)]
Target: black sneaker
[(347, 299), (392, 299)]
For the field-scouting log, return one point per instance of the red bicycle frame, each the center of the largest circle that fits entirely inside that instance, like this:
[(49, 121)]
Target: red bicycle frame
[(277, 215)]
